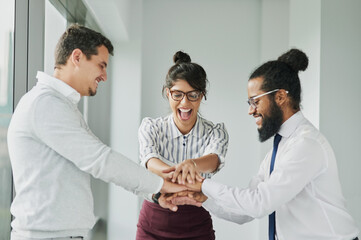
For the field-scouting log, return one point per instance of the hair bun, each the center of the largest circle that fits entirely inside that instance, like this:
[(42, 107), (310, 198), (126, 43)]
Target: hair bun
[(295, 58), (181, 57)]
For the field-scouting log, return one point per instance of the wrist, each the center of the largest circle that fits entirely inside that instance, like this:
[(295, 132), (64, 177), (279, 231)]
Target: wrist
[(194, 163), (155, 197)]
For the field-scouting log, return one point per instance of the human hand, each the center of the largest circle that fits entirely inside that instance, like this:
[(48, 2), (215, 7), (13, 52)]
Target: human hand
[(184, 172), (198, 196), (164, 202), (184, 198), (169, 187), (166, 176), (195, 187), (156, 166)]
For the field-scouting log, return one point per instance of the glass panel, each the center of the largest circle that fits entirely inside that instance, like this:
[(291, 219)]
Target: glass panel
[(6, 109), (55, 25)]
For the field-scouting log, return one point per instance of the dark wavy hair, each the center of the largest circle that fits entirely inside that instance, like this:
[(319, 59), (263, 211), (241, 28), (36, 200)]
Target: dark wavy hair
[(77, 36), (184, 69), (283, 74)]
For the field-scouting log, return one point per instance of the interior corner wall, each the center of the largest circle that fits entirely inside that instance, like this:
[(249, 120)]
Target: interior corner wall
[(340, 87), (125, 119)]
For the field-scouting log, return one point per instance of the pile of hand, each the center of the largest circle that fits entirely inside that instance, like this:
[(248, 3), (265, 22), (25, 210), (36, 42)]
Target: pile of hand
[(182, 186)]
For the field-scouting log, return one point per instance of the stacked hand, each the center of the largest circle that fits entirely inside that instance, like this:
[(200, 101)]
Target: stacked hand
[(187, 191), (187, 198), (185, 171)]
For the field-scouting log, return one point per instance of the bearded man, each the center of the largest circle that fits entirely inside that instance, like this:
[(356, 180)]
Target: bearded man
[(297, 185)]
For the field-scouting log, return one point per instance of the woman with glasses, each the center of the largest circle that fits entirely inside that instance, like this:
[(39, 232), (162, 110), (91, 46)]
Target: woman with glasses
[(184, 148)]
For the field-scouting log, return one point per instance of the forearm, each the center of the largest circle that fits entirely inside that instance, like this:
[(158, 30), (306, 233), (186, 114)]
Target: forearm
[(124, 172), (156, 166), (207, 164), (220, 211)]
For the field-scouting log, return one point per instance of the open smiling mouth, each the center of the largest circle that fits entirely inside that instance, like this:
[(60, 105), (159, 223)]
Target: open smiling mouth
[(258, 119), (97, 80), (184, 114)]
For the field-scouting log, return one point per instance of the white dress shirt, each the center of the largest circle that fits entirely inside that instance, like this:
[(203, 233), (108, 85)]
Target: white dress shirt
[(304, 189), (53, 153), (160, 138)]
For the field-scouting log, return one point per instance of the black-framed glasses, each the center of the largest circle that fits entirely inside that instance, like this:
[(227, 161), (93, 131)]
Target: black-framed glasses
[(192, 96), (251, 101)]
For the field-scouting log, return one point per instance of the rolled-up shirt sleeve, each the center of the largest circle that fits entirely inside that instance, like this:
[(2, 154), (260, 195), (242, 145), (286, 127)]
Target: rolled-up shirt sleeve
[(218, 144), (148, 144), (63, 130)]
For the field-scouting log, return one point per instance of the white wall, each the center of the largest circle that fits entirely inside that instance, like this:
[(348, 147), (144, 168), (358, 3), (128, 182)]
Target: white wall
[(340, 111), (305, 34), (224, 37)]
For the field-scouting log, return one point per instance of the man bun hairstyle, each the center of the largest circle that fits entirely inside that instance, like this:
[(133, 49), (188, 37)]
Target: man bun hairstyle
[(283, 74), (181, 57), (83, 38), (185, 69), (296, 59)]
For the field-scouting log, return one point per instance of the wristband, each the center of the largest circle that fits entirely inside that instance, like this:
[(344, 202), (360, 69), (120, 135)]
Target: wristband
[(155, 197)]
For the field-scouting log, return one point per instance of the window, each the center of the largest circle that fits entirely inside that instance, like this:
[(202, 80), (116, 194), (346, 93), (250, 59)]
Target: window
[(6, 109)]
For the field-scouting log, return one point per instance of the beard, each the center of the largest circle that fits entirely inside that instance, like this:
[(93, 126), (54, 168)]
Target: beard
[(271, 124), (91, 92)]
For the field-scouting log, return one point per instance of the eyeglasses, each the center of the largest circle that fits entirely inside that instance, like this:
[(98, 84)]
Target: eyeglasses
[(192, 96), (251, 101)]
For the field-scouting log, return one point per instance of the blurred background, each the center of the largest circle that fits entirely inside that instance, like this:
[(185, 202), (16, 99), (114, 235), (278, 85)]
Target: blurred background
[(229, 38)]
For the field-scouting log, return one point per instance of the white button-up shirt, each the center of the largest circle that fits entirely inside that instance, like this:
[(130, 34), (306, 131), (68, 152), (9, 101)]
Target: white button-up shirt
[(304, 189), (53, 153)]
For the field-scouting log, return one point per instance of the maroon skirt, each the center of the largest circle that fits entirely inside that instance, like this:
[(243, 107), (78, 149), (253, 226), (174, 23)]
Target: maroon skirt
[(189, 222)]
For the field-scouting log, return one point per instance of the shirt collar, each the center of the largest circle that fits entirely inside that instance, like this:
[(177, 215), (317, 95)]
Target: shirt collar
[(59, 86), (288, 127), (198, 127)]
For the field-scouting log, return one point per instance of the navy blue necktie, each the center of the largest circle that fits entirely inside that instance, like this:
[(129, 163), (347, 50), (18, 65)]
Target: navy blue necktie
[(272, 217)]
